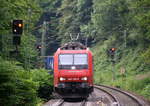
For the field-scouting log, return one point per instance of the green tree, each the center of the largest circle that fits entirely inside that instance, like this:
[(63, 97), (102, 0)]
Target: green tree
[(16, 85)]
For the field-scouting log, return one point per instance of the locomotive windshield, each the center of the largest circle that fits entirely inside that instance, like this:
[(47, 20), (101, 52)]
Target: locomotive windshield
[(77, 61), (80, 59), (65, 59)]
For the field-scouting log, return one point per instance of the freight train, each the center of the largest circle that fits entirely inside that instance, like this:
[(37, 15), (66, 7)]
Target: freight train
[(73, 71)]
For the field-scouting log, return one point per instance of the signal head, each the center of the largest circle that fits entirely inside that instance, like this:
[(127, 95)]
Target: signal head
[(38, 47), (17, 27)]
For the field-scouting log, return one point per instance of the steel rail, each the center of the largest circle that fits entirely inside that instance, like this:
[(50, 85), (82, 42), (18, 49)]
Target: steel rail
[(115, 100), (125, 93), (61, 102), (83, 103)]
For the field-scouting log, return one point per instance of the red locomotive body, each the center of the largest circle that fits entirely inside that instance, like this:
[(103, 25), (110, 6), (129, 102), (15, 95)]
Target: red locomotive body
[(73, 71)]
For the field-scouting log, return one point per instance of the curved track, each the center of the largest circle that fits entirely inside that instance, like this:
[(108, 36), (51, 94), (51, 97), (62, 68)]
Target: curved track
[(113, 99), (102, 96), (125, 98)]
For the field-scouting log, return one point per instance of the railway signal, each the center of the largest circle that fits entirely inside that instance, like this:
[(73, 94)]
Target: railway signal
[(39, 47), (17, 27), (112, 52)]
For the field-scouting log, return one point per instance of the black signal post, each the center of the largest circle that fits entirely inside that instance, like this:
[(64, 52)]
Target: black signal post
[(112, 52), (17, 30), (16, 40)]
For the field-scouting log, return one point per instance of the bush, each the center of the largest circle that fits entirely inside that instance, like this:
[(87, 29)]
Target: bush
[(45, 81), (145, 91), (16, 86)]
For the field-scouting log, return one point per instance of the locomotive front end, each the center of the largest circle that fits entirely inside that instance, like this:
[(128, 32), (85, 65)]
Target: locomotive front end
[(73, 73)]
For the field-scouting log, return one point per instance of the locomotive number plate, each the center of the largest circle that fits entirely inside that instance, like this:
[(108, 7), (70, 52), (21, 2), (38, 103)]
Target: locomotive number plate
[(73, 78)]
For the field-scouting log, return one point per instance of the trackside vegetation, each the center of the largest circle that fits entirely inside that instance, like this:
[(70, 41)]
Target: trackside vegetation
[(136, 75), (123, 25), (21, 87)]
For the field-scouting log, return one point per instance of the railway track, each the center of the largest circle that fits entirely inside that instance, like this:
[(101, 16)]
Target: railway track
[(53, 102), (62, 102), (124, 98), (83, 103), (102, 96), (114, 101)]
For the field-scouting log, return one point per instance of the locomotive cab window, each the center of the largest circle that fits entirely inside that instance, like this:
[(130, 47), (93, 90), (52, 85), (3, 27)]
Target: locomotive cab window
[(65, 59), (73, 61)]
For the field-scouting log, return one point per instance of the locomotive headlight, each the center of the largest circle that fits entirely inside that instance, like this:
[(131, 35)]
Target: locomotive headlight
[(84, 78), (62, 79), (73, 67)]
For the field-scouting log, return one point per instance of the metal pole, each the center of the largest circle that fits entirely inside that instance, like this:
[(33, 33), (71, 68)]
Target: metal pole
[(125, 38), (43, 39), (86, 41), (27, 61), (113, 60), (29, 16), (113, 71), (30, 12)]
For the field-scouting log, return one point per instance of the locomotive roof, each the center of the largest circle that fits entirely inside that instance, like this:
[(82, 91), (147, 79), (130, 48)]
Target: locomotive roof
[(73, 46)]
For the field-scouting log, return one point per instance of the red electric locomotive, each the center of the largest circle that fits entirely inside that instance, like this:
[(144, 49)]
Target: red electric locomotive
[(73, 71)]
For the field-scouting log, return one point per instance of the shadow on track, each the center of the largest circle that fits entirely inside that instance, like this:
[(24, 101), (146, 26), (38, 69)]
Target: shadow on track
[(74, 99)]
